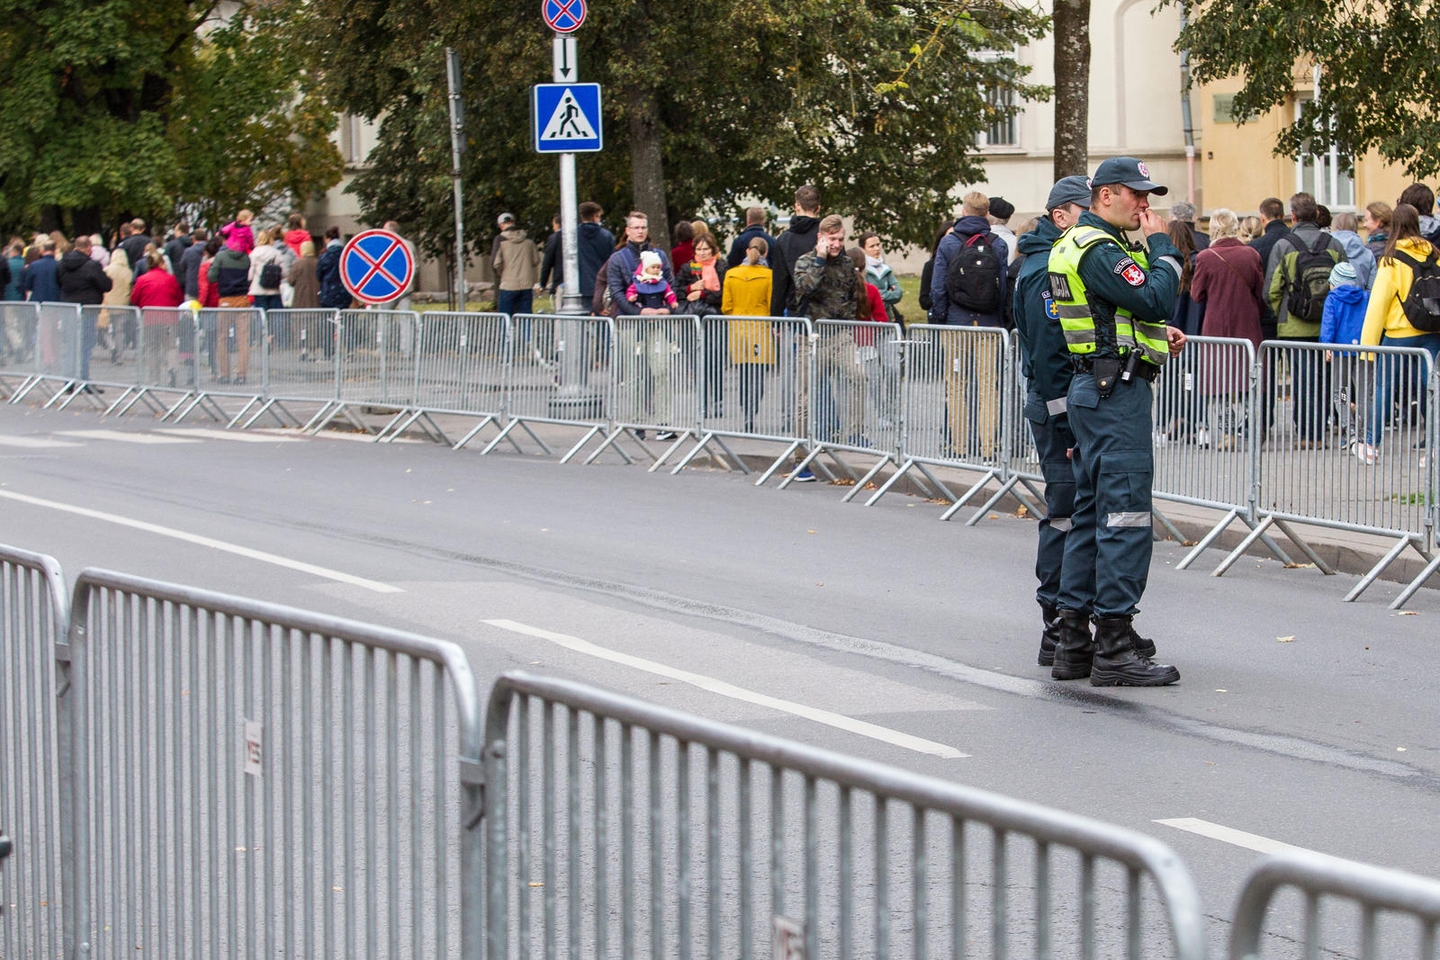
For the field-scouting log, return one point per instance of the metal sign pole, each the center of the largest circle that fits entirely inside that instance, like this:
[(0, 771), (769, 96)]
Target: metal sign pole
[(457, 148), (567, 70)]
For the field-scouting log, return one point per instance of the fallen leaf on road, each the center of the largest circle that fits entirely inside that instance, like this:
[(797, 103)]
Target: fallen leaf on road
[(1299, 566), (809, 531), (1022, 512), (1407, 613), (1284, 639), (1399, 749)]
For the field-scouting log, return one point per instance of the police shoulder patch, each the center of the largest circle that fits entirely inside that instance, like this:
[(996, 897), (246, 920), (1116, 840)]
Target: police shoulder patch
[(1051, 310), (1130, 271)]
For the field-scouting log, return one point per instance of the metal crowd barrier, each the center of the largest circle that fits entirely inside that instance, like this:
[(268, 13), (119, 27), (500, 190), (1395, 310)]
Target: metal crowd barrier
[(301, 364), (853, 396), (561, 371), (247, 780), (462, 369), (657, 373), (1207, 440), (33, 613), (753, 369), (1398, 913), (615, 823), (56, 343), (19, 362), (376, 365), (1351, 464), (954, 407)]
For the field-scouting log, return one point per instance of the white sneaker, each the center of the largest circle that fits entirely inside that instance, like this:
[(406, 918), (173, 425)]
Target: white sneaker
[(1202, 437), (1364, 453)]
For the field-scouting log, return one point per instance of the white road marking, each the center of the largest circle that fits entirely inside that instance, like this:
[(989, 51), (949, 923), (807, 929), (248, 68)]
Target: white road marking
[(213, 544), (35, 443), (123, 437), (202, 433), (720, 687), (1239, 838)]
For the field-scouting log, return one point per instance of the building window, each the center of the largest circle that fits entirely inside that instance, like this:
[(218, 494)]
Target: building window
[(1002, 131), (1328, 177)]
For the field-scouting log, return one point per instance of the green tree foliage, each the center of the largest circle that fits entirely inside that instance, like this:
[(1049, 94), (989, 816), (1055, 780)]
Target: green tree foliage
[(705, 103), (113, 108), (1379, 72)]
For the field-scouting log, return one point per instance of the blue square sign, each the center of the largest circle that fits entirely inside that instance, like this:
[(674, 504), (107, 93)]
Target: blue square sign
[(566, 117)]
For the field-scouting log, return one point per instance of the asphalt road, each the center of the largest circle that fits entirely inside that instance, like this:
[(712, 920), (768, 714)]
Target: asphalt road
[(1299, 719)]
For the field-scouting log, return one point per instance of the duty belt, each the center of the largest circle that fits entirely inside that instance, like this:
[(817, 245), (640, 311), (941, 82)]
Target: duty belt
[(1143, 370)]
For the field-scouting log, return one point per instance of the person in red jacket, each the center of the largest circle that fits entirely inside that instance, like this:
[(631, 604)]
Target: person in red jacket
[(158, 295)]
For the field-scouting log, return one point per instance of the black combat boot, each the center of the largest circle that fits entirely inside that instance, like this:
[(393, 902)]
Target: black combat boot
[(1073, 648), (1117, 660), (1049, 635)]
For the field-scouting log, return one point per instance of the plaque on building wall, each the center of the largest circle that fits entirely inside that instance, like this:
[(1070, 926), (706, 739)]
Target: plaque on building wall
[(1225, 108)]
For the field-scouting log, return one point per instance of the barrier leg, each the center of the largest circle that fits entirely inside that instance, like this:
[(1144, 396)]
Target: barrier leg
[(1385, 562), (860, 485), (701, 444), (809, 459), (1255, 534), (679, 442), (475, 431), (770, 470), (1430, 570), (1170, 528), (903, 469), (1295, 538), (984, 509), (1208, 539), (589, 435), (968, 495)]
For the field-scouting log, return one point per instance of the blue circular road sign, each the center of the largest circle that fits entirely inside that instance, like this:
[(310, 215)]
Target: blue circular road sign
[(563, 16), (376, 266)]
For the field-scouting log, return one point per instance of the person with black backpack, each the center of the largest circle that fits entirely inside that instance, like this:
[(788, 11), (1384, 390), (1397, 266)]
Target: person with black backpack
[(1297, 277), (967, 289), (1404, 311)]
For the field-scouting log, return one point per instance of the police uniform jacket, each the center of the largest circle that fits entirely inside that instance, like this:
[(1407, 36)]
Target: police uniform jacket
[(1044, 357), (1113, 279)]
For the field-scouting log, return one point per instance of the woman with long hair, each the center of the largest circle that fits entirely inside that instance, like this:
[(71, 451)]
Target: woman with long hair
[(746, 293), (1386, 324)]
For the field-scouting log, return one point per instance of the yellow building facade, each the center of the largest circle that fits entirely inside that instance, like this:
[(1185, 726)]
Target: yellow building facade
[(1239, 167)]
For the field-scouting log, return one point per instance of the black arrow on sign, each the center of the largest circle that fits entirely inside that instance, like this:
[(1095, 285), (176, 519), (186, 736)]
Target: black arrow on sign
[(564, 59)]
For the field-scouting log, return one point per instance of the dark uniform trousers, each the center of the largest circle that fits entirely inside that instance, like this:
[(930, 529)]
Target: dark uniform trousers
[(1107, 554), (1053, 439)]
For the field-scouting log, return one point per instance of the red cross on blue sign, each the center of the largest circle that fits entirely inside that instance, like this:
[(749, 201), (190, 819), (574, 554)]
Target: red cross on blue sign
[(563, 16), (376, 266)]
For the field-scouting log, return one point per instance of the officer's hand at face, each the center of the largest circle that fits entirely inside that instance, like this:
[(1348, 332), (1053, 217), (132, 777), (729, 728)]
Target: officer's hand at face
[(1151, 223), (1176, 337)]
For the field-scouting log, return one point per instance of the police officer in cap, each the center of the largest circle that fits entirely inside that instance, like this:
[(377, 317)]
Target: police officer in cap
[(1045, 361), (1112, 298)]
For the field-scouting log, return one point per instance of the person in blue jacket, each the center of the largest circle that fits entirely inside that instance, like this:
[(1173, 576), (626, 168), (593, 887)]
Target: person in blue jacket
[(1045, 361), (1342, 322)]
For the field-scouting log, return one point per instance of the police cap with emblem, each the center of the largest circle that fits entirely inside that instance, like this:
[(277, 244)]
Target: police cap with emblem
[(1068, 190), (1129, 172)]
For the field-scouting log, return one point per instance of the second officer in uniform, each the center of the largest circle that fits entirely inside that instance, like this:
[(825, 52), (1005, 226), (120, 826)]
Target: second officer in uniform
[(1113, 298)]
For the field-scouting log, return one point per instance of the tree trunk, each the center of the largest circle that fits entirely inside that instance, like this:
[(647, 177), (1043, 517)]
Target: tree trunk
[(647, 179), (1072, 87)]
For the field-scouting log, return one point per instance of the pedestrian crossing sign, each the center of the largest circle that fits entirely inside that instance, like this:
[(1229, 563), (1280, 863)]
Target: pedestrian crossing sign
[(566, 117)]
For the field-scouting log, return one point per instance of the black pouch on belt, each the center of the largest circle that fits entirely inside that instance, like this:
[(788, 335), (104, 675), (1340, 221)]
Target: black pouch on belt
[(1107, 372)]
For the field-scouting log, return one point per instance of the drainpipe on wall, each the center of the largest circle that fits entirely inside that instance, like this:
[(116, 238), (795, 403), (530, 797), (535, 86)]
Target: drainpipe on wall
[(1185, 115)]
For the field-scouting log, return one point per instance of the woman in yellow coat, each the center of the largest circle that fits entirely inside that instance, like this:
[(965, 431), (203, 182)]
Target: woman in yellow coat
[(752, 342), (1386, 324)]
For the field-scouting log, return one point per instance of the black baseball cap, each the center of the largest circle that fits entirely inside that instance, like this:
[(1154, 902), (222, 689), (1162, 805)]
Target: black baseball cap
[(1129, 172)]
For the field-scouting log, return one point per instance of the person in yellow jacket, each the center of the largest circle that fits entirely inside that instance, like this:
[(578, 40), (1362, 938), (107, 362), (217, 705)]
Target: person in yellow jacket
[(1385, 322), (752, 342)]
